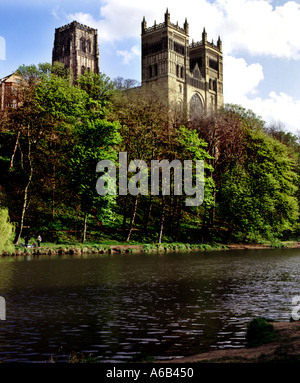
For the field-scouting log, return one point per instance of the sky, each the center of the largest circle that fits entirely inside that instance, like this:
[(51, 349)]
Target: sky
[(260, 38)]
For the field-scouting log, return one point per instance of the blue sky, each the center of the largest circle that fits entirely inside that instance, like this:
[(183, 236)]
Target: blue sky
[(261, 42)]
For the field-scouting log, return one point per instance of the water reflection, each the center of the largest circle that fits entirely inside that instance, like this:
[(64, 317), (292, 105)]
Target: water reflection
[(116, 306)]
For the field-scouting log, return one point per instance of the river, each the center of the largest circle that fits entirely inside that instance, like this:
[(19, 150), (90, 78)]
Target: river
[(118, 308)]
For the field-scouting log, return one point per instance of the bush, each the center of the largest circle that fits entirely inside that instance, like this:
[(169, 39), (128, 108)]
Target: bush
[(260, 332), (7, 231)]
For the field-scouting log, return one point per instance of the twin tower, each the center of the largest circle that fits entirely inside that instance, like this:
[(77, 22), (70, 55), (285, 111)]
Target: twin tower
[(184, 74)]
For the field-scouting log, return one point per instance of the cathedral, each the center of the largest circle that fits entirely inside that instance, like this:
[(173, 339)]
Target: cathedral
[(189, 76), (76, 46)]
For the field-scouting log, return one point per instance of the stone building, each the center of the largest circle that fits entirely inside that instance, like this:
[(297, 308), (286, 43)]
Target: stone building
[(76, 46), (9, 91), (187, 75)]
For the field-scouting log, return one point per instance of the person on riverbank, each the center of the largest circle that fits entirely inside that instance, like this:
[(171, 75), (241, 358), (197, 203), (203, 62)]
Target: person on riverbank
[(27, 239), (39, 240)]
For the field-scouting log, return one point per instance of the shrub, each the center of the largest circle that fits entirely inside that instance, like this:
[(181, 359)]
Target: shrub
[(259, 332), (7, 231)]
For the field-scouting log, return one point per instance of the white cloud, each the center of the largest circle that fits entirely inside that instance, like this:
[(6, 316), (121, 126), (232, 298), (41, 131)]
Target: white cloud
[(55, 12), (240, 87), (2, 48), (278, 107), (119, 19), (129, 55), (84, 18), (240, 79), (252, 26)]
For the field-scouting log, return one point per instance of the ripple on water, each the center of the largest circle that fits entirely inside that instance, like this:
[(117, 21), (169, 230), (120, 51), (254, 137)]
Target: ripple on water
[(163, 306)]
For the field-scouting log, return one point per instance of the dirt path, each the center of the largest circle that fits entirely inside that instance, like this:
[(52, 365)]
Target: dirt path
[(256, 246), (285, 349)]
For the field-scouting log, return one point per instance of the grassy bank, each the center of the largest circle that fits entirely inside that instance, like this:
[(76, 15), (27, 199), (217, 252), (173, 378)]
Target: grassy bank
[(114, 247), (111, 247)]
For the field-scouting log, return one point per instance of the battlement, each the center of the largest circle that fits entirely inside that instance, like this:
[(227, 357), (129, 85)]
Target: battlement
[(156, 27), (200, 44), (75, 24), (165, 24), (76, 46)]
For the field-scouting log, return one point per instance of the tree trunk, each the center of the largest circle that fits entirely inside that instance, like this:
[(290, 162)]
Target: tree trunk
[(173, 212), (148, 216), (205, 225), (228, 234), (84, 228), (53, 194), (213, 210), (179, 208), (162, 220), (132, 218), (14, 151), (25, 201), (124, 215)]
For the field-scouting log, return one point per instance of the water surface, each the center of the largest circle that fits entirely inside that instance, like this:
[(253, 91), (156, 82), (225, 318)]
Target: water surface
[(119, 307)]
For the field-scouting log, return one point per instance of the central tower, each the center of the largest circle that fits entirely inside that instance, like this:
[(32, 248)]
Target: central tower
[(76, 46), (190, 76)]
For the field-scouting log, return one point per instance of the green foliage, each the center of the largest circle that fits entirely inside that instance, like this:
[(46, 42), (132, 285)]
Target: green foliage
[(247, 116), (96, 141), (100, 90), (259, 332), (50, 146), (257, 196), (7, 232)]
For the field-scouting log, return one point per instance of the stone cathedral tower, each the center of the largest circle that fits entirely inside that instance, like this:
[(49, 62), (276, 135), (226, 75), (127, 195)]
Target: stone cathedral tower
[(76, 46), (188, 75)]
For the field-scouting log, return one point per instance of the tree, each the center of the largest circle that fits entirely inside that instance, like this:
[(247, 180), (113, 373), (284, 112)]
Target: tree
[(7, 231), (146, 135), (96, 139), (189, 146), (24, 124), (124, 84), (257, 197), (48, 108)]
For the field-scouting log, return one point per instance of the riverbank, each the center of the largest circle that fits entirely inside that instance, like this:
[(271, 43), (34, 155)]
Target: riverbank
[(119, 248), (286, 348)]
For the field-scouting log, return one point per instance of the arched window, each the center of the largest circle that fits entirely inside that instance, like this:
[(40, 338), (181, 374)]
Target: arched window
[(196, 106), (82, 69), (88, 46), (212, 103), (177, 70), (155, 70), (82, 44), (150, 71), (181, 72), (180, 105)]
